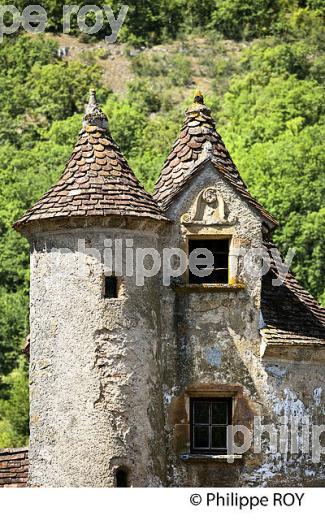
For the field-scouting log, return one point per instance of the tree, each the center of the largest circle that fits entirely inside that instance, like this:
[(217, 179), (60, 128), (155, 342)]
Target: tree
[(251, 18), (14, 411)]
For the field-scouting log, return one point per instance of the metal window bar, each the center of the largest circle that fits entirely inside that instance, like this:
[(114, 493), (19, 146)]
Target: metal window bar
[(209, 425), (211, 245)]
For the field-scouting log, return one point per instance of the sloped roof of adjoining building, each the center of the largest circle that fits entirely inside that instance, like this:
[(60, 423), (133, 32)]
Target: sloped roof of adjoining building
[(199, 143), (97, 180), (13, 467), (291, 315)]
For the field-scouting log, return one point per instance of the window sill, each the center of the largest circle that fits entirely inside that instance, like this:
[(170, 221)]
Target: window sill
[(201, 457), (209, 287)]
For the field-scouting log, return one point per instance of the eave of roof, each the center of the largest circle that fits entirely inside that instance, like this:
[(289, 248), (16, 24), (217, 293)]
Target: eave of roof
[(278, 337)]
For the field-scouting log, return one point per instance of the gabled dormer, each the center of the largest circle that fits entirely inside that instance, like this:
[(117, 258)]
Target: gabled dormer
[(201, 190), (198, 145)]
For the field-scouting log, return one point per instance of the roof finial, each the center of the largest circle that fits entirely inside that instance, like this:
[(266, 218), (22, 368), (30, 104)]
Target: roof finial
[(92, 97), (93, 114), (198, 97)]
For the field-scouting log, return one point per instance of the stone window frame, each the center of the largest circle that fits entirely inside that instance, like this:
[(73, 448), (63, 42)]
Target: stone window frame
[(208, 233), (214, 238), (233, 392)]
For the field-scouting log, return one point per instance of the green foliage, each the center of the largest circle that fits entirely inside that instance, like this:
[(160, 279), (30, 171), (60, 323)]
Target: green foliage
[(264, 112), (180, 73), (145, 93), (17, 56), (151, 65), (33, 96), (301, 23), (307, 233), (269, 58), (150, 22), (145, 21), (239, 19), (152, 150), (126, 121), (13, 327), (14, 416), (58, 90), (63, 133), (166, 70)]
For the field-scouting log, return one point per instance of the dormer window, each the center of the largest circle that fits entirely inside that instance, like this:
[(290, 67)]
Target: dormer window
[(218, 273)]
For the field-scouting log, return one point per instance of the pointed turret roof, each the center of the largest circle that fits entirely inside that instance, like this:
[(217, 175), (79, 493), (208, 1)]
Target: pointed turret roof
[(97, 180), (199, 143)]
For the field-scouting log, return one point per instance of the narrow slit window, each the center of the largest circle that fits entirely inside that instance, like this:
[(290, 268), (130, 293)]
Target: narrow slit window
[(121, 478), (210, 418), (220, 253), (110, 288)]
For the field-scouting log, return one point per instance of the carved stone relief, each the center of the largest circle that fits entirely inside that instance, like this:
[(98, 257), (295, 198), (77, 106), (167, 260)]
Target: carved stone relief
[(209, 208)]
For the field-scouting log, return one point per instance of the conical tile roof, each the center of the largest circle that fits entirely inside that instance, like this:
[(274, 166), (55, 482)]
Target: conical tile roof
[(199, 142), (97, 180)]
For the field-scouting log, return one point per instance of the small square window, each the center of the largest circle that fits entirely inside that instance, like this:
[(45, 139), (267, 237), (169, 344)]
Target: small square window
[(209, 420), (220, 252), (110, 288)]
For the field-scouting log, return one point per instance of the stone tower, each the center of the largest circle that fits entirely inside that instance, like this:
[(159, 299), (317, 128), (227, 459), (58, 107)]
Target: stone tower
[(95, 350)]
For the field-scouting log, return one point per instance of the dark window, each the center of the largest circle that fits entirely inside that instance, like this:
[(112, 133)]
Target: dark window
[(209, 420), (121, 477), (110, 289), (220, 252)]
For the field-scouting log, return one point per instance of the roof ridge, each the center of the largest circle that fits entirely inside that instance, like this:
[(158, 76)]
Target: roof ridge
[(97, 179)]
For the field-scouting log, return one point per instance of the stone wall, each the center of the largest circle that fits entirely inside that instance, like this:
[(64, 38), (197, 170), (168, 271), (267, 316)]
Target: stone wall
[(295, 383), (13, 467), (212, 347), (95, 388)]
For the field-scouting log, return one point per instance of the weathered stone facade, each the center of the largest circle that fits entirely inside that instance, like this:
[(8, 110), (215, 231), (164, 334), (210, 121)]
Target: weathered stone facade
[(212, 346), (111, 379), (95, 363)]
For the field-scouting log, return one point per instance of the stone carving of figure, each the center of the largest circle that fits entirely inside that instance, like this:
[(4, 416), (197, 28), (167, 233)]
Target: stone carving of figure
[(208, 208)]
